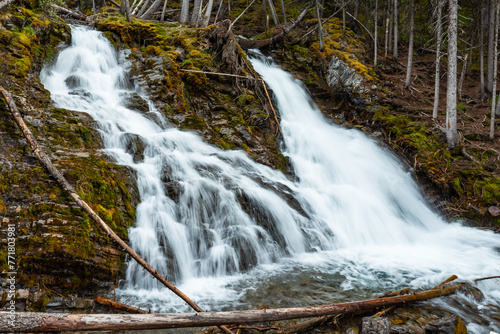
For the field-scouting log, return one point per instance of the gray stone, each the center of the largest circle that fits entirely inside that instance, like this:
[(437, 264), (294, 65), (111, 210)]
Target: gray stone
[(370, 325), (494, 211)]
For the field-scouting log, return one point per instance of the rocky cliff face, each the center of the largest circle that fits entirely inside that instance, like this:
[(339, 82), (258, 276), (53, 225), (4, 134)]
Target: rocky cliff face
[(57, 247)]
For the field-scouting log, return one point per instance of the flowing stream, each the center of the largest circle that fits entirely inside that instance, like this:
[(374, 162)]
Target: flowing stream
[(230, 239)]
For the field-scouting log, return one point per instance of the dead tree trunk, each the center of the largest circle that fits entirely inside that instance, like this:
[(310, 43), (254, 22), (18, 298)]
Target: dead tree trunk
[(320, 28), (184, 11), (251, 44), (481, 53), (396, 29), (208, 12), (410, 46), (56, 322), (494, 83), (71, 13), (437, 78), (375, 34), (491, 46), (125, 9), (152, 9), (61, 180), (451, 100), (163, 11)]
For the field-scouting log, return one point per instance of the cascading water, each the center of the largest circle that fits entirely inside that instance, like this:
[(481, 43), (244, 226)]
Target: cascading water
[(229, 239)]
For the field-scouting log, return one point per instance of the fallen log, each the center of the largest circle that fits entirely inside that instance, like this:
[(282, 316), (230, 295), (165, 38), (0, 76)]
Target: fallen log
[(71, 13), (119, 306), (49, 322), (252, 44), (61, 180)]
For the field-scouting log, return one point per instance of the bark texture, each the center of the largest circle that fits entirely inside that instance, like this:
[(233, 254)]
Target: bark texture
[(451, 101), (50, 322)]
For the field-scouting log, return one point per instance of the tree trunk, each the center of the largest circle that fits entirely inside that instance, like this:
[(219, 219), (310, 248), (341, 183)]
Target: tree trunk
[(273, 12), (396, 30), (410, 46), (184, 11), (343, 17), (137, 7), (284, 11), (451, 101), (56, 322), (208, 12), (491, 47), (152, 9), (219, 10), (464, 71), (375, 35), (356, 8), (195, 16), (320, 28), (391, 24), (387, 14), (163, 11), (481, 52), (143, 8), (440, 4), (494, 83)]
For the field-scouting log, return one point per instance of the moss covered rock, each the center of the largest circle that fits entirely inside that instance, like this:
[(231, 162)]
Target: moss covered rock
[(58, 248)]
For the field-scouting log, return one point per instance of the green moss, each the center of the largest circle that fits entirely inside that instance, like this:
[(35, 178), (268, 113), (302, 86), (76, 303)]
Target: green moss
[(460, 328)]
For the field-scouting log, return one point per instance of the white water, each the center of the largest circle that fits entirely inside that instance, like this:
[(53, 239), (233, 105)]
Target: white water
[(229, 239)]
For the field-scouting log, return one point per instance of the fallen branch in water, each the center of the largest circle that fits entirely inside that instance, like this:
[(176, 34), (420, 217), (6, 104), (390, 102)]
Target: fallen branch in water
[(485, 278), (119, 306), (61, 180), (302, 326), (51, 322)]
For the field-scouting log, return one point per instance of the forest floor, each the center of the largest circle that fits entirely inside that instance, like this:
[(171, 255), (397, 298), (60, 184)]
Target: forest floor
[(476, 150)]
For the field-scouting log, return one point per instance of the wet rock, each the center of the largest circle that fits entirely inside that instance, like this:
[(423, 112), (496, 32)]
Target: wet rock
[(22, 294), (350, 331), (181, 52), (343, 78), (370, 325), (135, 146), (77, 303), (55, 302), (399, 329), (494, 211), (136, 102), (447, 325), (474, 293)]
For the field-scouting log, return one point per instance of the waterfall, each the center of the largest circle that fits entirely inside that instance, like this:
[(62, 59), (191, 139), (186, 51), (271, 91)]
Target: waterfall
[(229, 239)]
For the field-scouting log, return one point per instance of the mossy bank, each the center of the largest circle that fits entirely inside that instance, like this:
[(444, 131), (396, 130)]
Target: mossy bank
[(59, 250)]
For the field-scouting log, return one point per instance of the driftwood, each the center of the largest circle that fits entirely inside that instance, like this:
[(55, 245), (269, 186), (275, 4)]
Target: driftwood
[(61, 180), (51, 322), (252, 44), (71, 13), (120, 306)]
